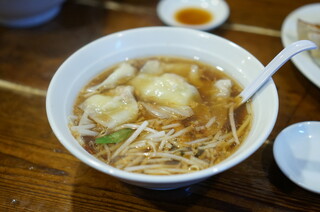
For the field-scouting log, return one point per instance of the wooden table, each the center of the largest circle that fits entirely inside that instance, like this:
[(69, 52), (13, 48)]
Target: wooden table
[(38, 174)]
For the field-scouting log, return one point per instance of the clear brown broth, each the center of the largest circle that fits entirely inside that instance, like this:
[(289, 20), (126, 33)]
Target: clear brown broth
[(209, 107)]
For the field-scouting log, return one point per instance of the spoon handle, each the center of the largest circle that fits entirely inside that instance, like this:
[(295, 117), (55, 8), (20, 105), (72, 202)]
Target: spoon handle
[(274, 65)]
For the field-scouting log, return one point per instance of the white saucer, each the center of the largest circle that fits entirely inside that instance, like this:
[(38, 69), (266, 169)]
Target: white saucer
[(297, 153), (166, 10), (289, 34)]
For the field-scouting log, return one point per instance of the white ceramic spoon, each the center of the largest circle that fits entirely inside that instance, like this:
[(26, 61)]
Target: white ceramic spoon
[(274, 65)]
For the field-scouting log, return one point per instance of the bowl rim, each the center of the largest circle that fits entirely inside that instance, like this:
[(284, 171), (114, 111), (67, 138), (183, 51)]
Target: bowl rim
[(156, 179)]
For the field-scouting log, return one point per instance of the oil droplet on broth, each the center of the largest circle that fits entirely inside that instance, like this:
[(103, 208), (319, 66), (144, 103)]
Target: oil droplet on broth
[(193, 16)]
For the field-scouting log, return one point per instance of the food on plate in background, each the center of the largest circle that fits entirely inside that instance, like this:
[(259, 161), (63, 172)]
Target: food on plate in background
[(310, 31)]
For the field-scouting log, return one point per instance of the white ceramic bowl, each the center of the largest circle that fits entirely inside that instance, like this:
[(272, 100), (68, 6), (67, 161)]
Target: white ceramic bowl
[(30, 13), (90, 60)]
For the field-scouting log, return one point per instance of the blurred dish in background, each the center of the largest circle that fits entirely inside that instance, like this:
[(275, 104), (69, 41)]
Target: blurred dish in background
[(196, 14), (289, 34), (22, 13)]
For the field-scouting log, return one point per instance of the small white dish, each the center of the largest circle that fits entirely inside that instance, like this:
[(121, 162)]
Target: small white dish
[(289, 34), (219, 9), (297, 153)]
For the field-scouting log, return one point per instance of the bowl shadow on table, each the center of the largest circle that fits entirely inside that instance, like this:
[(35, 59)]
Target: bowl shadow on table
[(202, 196), (180, 199), (274, 174), (102, 190)]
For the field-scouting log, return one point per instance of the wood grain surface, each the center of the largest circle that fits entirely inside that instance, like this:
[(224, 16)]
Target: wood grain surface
[(38, 174)]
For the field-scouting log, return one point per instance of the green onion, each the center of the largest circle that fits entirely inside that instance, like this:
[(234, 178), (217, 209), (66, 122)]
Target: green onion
[(115, 137)]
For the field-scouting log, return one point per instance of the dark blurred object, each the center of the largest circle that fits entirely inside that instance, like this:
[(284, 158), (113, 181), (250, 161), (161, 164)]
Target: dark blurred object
[(21, 13)]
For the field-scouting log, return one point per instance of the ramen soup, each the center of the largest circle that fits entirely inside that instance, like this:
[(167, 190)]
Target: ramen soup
[(160, 116)]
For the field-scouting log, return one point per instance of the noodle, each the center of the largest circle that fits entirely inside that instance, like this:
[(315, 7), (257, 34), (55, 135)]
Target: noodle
[(198, 140), (171, 126), (165, 139), (233, 125), (210, 122), (130, 139)]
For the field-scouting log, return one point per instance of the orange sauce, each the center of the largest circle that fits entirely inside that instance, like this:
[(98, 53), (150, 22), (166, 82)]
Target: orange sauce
[(193, 16)]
